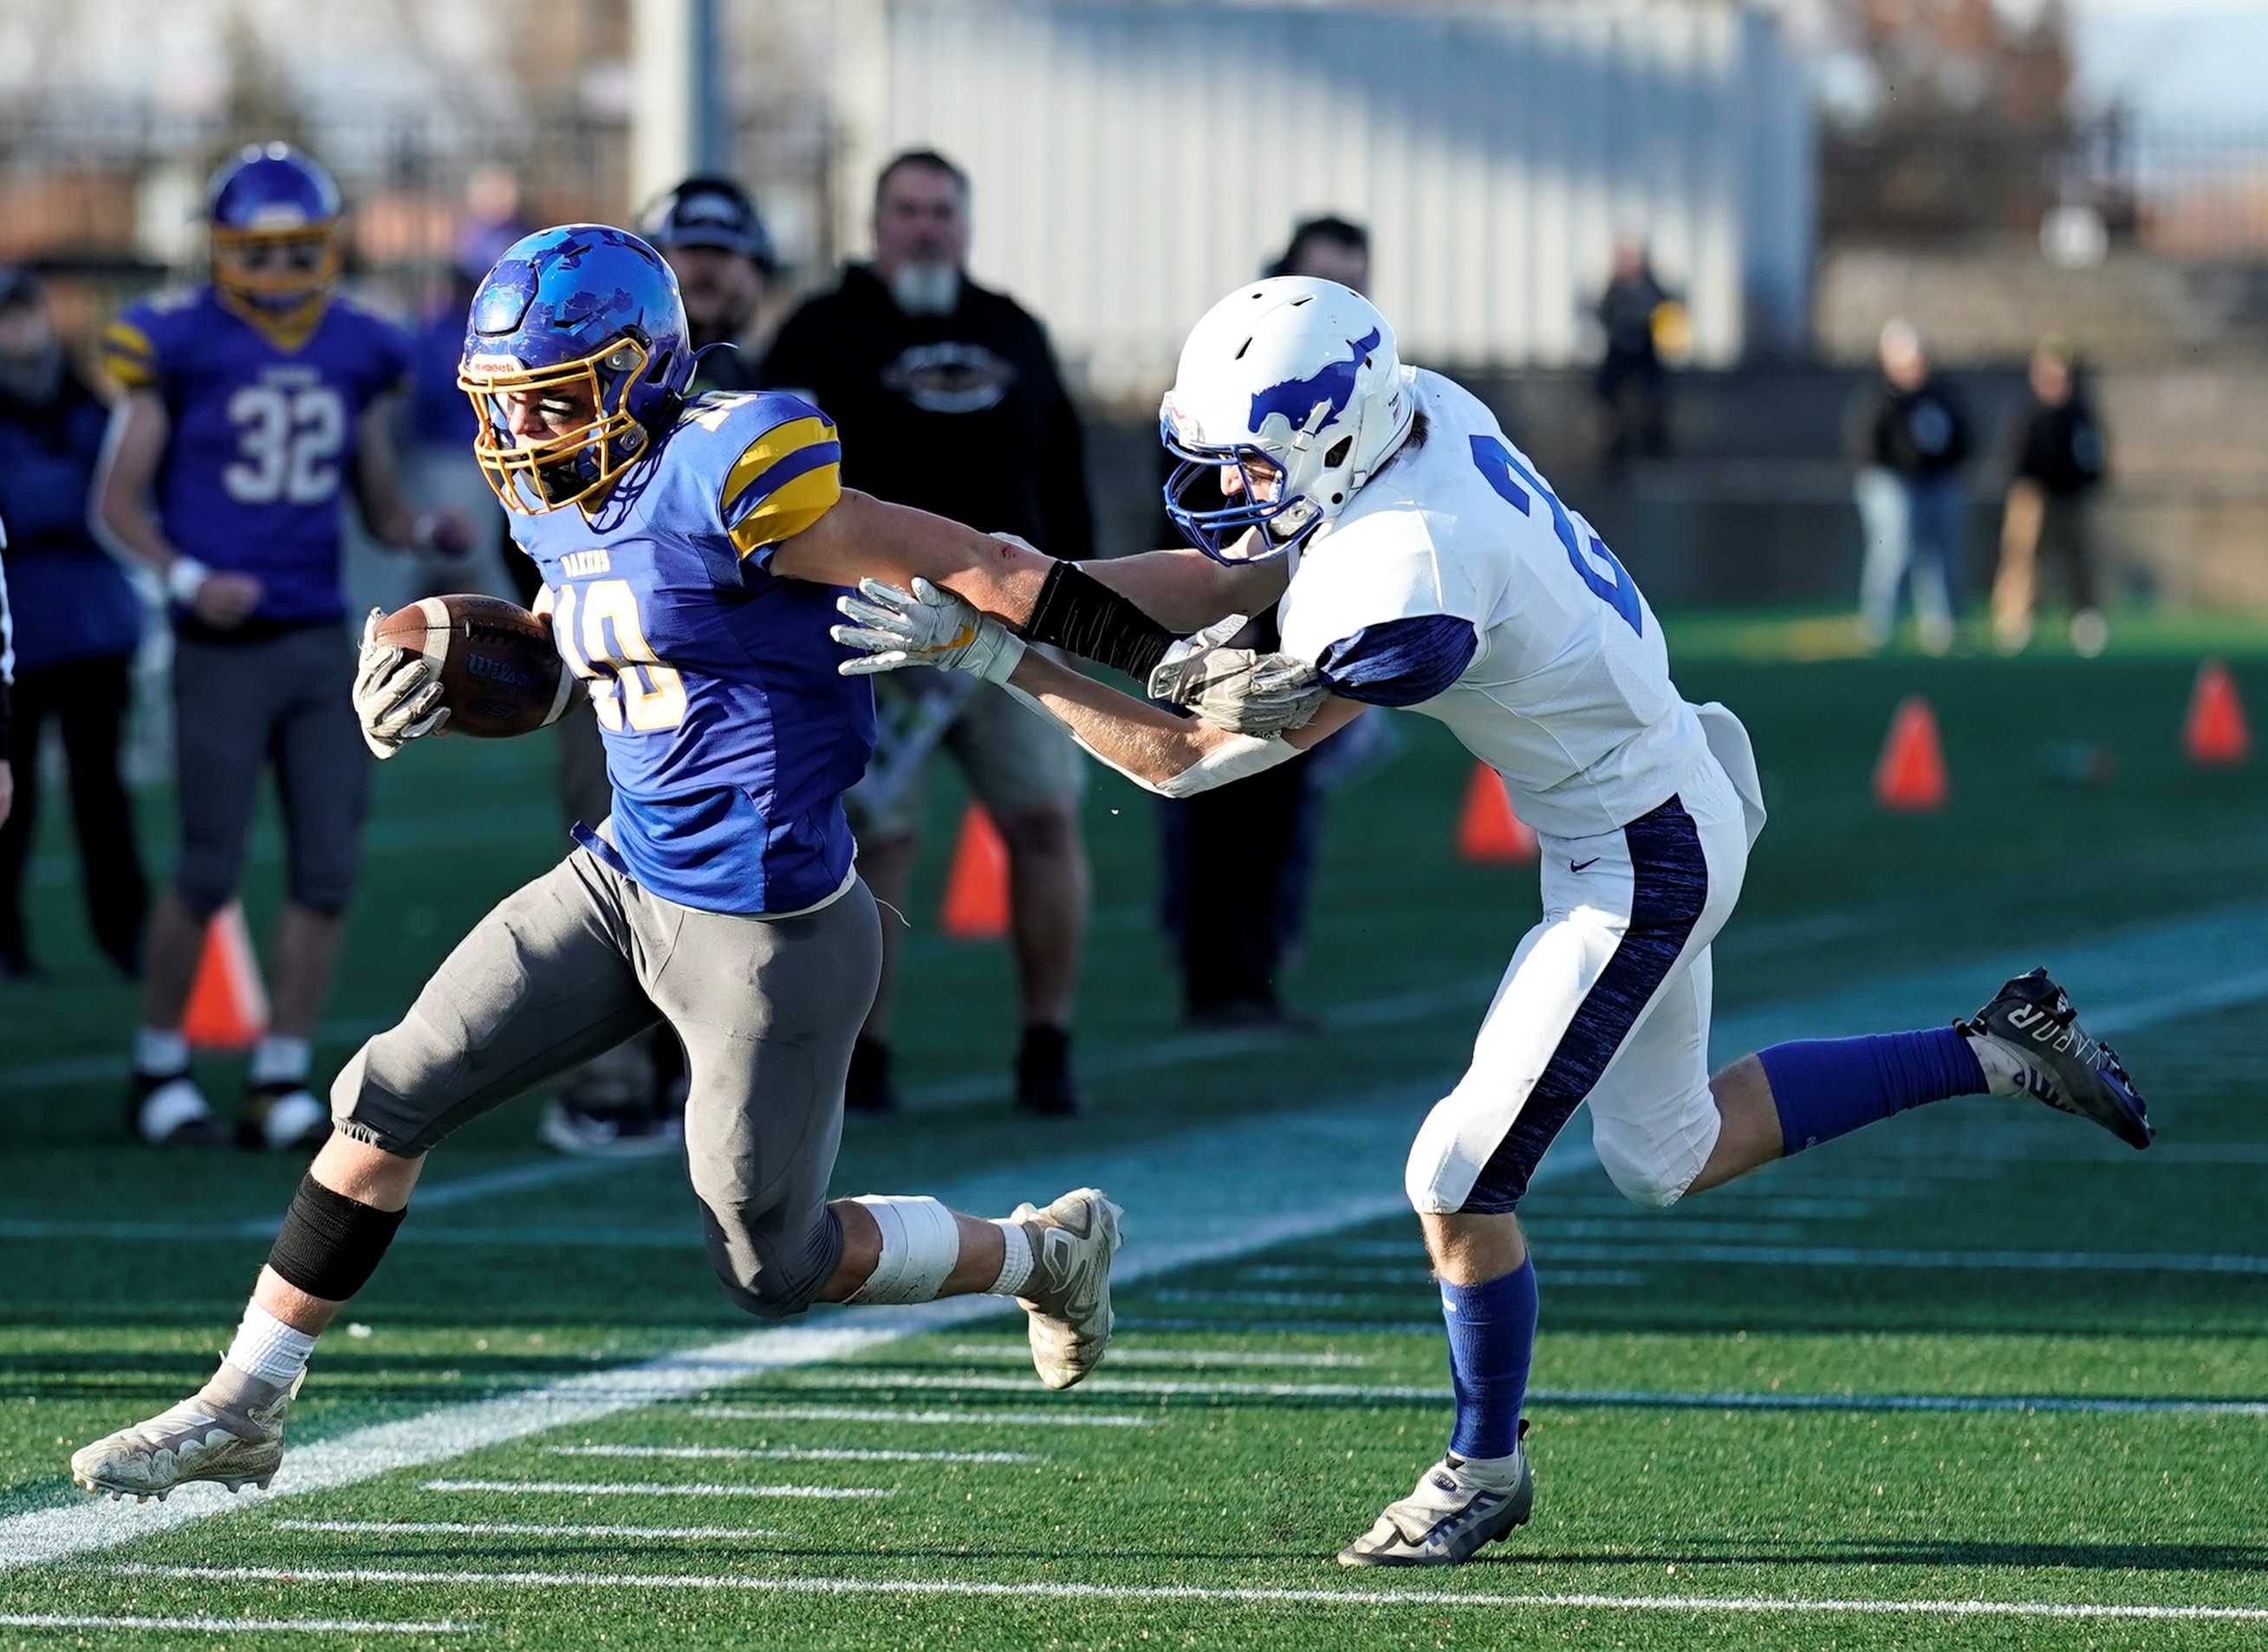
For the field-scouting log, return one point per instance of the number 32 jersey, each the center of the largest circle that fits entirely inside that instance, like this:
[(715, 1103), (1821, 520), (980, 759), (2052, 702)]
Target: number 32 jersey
[(263, 436), (730, 735), (1567, 691)]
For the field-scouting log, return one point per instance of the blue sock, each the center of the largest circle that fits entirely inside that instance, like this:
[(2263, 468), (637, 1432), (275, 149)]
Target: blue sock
[(1492, 1335), (1826, 1087)]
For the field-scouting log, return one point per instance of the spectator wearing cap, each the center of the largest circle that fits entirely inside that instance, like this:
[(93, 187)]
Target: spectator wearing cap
[(1909, 433), (949, 400), (77, 620), (715, 239), (2059, 460)]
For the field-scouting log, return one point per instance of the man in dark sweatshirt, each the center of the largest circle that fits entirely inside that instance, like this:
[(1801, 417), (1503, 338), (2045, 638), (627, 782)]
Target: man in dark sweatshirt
[(1911, 437), (948, 400), (2060, 457)]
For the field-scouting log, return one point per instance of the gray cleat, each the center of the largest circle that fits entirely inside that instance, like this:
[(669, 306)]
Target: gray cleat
[(1450, 1517), (1068, 1295), (230, 1432), (2032, 1021)]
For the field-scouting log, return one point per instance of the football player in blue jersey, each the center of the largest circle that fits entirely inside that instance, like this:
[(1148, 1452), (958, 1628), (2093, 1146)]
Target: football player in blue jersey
[(251, 405), (692, 554)]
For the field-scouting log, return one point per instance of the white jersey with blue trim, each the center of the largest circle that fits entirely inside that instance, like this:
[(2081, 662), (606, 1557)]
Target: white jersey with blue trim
[(1568, 695)]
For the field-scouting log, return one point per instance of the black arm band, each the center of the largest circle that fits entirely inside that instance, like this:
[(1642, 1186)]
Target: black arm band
[(330, 1244), (1080, 614)]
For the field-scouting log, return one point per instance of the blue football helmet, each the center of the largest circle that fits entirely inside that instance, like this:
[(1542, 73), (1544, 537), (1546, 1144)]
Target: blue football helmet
[(577, 318), (273, 215)]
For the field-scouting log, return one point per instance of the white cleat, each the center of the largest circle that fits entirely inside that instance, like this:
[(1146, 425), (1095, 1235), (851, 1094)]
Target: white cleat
[(230, 1431), (1453, 1513), (1073, 1241)]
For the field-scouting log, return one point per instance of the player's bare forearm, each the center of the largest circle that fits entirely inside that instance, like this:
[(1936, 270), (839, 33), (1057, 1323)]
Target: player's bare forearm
[(1186, 590), (377, 482), (863, 537), (1131, 735), (122, 503)]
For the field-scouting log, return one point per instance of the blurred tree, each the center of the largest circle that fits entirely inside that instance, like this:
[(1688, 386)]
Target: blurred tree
[(1952, 119)]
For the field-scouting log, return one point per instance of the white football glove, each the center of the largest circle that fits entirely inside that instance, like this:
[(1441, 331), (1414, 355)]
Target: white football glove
[(923, 627), (1235, 688), (397, 697)]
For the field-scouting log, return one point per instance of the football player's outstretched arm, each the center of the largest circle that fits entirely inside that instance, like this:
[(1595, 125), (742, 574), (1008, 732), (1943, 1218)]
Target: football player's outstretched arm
[(141, 429), (1121, 613)]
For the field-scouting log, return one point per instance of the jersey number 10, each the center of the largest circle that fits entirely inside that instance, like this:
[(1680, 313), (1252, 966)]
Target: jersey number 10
[(602, 641), (1499, 466)]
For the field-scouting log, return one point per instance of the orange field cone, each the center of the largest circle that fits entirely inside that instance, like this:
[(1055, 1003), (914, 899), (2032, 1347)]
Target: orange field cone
[(227, 1008), (1487, 830), (2214, 732), (1910, 773), (977, 890)]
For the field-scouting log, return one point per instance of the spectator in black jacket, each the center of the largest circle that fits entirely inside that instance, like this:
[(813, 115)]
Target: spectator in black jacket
[(948, 398), (1632, 385), (1239, 861), (77, 620), (1910, 437), (2060, 457)]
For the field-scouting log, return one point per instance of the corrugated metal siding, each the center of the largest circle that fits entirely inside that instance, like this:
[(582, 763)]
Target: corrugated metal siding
[(1131, 162)]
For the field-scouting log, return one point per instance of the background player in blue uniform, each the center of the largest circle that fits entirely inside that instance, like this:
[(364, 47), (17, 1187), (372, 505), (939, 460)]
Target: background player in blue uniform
[(252, 405), (691, 556)]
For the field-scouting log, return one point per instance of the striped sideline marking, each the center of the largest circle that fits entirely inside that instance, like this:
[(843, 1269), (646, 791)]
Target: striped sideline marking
[(1390, 1281), (633, 1488), (945, 1419), (1427, 1599), (1360, 1393), (518, 1529), (1016, 1352), (228, 1625), (790, 1454)]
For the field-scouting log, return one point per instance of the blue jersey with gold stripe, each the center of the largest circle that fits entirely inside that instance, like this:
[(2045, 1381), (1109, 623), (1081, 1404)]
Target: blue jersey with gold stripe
[(731, 738), (265, 430)]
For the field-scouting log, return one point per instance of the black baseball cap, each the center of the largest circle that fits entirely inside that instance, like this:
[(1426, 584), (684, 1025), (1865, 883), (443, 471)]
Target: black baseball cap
[(708, 211)]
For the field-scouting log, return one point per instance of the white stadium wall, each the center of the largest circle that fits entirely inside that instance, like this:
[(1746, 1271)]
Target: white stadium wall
[(1130, 162)]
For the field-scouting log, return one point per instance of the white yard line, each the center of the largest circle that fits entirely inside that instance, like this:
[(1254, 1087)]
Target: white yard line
[(229, 1626), (1370, 1393), (519, 1529), (1016, 1353), (653, 1488), (1434, 1599), (1064, 1418), (1639, 1400), (790, 1454)]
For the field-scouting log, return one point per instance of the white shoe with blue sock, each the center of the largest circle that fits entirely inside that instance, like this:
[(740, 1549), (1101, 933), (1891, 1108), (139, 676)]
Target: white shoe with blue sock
[(1459, 1504)]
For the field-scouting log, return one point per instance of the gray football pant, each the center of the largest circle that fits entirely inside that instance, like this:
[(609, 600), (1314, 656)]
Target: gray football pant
[(583, 958)]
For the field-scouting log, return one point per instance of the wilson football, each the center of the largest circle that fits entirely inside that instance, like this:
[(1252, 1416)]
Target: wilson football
[(500, 673)]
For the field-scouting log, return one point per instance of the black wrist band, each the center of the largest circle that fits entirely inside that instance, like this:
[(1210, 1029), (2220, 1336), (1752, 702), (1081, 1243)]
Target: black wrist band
[(1080, 614)]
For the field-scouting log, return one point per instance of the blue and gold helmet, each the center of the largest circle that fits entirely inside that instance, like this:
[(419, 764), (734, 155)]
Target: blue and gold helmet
[(578, 316), (274, 216)]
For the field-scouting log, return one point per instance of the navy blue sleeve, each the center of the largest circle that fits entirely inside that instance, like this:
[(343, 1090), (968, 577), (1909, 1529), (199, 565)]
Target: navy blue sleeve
[(1402, 662)]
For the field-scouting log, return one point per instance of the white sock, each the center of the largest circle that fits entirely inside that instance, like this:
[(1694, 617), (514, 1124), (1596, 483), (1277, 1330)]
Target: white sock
[(160, 1050), (267, 1348), (279, 1061), (2004, 1073), (1015, 1260)]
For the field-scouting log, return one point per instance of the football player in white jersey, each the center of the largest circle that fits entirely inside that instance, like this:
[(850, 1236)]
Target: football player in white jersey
[(1427, 565)]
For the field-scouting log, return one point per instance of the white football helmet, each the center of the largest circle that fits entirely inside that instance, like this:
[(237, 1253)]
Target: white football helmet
[(1296, 371)]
